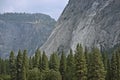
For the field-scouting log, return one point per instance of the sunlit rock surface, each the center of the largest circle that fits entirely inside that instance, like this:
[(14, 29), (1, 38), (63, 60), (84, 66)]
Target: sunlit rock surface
[(89, 22)]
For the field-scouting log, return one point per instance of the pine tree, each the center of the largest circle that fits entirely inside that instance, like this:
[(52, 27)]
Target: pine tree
[(54, 62), (106, 63), (33, 61), (3, 67), (25, 65), (118, 62), (105, 59), (86, 55), (34, 74), (108, 73), (12, 66), (45, 65), (30, 63), (70, 67), (7, 66), (80, 61), (115, 65), (19, 65), (63, 66), (96, 67), (52, 75), (37, 57), (0, 66), (40, 62)]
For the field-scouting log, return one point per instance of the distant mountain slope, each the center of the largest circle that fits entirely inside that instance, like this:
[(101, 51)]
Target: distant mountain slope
[(24, 31), (89, 22)]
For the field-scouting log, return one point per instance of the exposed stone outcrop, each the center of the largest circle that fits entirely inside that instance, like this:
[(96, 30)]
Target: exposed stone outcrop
[(89, 22), (23, 31)]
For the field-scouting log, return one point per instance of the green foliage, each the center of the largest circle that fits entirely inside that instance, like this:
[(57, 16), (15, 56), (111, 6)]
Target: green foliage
[(5, 77), (63, 65), (96, 67), (37, 58), (30, 63), (52, 75), (118, 62), (80, 61), (54, 62), (115, 65), (19, 65), (106, 63), (3, 67), (40, 61), (70, 75), (34, 74), (78, 66), (12, 66), (108, 73), (44, 64), (25, 65)]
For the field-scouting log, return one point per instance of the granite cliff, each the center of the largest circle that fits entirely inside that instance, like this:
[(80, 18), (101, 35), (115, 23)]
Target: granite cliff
[(23, 31), (89, 22)]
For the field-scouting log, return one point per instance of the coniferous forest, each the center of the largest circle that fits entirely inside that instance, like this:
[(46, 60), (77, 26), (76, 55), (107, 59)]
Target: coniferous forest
[(82, 65)]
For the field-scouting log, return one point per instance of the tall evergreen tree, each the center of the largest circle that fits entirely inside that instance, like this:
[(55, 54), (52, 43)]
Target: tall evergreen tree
[(105, 59), (19, 65), (45, 65), (106, 63), (34, 74), (118, 62), (115, 65), (3, 67), (25, 65), (37, 57), (80, 61), (12, 66), (33, 61), (70, 75), (96, 67), (40, 63), (87, 55), (54, 62), (52, 75), (63, 66), (108, 73), (30, 63), (0, 65), (7, 66)]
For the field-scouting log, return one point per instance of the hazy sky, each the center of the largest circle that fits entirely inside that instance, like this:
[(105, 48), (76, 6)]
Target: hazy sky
[(51, 7)]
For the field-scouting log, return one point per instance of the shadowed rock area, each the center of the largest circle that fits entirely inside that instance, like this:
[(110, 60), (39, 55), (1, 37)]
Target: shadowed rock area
[(23, 31)]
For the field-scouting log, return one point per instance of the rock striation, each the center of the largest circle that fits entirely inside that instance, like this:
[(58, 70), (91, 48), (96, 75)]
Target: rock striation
[(89, 22)]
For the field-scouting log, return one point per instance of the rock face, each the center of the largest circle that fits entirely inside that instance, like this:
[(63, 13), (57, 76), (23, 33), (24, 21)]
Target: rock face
[(23, 31), (89, 22)]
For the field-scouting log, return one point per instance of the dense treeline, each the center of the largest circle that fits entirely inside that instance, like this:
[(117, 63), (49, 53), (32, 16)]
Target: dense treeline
[(82, 65), (24, 17)]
